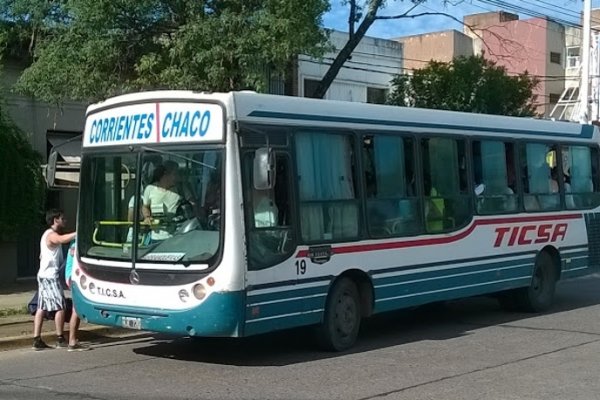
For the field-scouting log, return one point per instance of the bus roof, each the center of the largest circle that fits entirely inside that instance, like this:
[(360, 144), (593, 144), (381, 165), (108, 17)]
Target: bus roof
[(285, 110), (255, 108)]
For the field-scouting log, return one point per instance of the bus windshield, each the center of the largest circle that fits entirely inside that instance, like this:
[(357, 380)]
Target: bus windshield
[(178, 207)]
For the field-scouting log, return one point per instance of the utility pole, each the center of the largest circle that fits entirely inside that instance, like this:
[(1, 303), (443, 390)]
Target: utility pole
[(584, 90), (595, 77)]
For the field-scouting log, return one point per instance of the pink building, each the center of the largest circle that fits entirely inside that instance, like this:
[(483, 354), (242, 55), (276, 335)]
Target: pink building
[(535, 45)]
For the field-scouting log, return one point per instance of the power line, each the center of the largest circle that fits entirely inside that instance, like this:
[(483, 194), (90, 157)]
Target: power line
[(526, 11), (566, 11), (547, 27)]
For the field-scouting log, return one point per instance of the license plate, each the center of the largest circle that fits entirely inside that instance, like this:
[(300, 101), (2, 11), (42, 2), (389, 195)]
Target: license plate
[(131, 322)]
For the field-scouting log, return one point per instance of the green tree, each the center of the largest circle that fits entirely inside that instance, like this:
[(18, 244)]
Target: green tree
[(91, 49), (21, 182), (470, 84)]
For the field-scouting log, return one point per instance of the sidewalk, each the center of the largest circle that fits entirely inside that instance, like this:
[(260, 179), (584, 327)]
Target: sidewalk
[(15, 296), (16, 326)]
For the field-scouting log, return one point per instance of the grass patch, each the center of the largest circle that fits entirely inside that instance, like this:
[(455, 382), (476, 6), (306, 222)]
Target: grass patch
[(9, 312)]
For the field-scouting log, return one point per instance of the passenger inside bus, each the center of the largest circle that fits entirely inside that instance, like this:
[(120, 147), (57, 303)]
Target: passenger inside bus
[(265, 210), (434, 211), (160, 199)]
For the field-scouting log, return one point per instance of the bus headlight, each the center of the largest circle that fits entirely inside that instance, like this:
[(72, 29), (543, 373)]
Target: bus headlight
[(199, 291), (82, 282)]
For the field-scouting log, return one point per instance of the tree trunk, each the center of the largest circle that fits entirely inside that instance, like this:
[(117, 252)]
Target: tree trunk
[(347, 50)]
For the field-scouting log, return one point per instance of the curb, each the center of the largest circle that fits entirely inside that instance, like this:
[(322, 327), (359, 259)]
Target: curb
[(97, 334)]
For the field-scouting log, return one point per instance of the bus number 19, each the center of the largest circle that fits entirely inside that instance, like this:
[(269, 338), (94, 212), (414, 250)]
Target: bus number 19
[(300, 267)]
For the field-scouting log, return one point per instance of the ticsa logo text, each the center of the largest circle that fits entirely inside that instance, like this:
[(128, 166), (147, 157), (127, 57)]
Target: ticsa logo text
[(528, 234), (106, 291)]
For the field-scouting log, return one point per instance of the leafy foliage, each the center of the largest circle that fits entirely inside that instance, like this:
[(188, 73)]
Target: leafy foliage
[(91, 49), (470, 84), (21, 181)]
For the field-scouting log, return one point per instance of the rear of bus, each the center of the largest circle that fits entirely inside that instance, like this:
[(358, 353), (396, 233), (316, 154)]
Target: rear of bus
[(155, 249)]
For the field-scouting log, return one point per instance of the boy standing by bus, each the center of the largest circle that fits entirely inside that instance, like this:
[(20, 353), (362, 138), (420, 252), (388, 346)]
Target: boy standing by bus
[(50, 291)]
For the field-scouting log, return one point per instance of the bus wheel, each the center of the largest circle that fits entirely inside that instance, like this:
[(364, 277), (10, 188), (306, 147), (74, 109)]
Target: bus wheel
[(341, 322), (539, 295)]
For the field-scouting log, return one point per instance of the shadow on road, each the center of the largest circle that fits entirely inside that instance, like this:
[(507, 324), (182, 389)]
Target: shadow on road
[(439, 321)]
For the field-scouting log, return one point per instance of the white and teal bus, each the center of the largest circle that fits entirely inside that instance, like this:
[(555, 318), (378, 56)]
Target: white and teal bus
[(235, 214)]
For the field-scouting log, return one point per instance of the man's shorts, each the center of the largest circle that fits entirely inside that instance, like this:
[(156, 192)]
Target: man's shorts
[(51, 296)]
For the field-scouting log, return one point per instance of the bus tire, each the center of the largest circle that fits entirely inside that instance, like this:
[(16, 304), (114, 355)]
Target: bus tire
[(341, 321), (539, 295)]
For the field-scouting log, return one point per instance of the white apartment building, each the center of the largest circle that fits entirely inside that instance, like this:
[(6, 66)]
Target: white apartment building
[(363, 78)]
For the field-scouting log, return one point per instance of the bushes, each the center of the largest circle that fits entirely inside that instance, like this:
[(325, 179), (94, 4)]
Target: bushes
[(21, 181)]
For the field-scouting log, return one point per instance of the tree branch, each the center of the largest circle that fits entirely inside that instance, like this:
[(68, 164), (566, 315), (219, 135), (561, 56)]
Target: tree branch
[(352, 18), (347, 50), (405, 15)]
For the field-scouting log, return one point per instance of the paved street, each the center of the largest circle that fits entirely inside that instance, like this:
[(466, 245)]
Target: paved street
[(468, 349)]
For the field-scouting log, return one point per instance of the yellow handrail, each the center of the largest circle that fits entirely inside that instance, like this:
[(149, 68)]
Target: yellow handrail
[(114, 223)]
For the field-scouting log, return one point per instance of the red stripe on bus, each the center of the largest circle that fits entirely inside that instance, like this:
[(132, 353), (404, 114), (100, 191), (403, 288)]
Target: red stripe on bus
[(157, 122), (442, 240)]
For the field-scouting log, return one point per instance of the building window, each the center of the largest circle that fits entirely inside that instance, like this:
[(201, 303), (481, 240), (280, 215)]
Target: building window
[(554, 97), (572, 93), (554, 58), (573, 57), (376, 95), (276, 82), (310, 85)]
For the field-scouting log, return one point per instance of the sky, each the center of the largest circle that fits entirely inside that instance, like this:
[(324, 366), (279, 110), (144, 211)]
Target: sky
[(561, 10)]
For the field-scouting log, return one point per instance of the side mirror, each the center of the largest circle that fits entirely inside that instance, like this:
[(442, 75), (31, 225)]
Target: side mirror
[(51, 169), (264, 169)]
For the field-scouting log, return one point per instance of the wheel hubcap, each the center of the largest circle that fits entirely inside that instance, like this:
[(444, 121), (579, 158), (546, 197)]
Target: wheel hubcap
[(345, 315), (538, 281)]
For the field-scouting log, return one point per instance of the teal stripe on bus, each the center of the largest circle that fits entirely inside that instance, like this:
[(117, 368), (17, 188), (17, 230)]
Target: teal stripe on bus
[(566, 254), (415, 273), (455, 278), (395, 302), (283, 321), (288, 307), (274, 309), (289, 292), (577, 262), (411, 284), (586, 131)]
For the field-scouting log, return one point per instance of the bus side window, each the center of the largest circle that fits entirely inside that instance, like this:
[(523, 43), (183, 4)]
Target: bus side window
[(447, 203), (580, 175), (494, 177), (540, 189), (389, 170), (329, 208)]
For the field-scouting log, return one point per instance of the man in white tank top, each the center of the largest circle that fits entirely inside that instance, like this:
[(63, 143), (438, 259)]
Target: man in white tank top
[(50, 291)]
